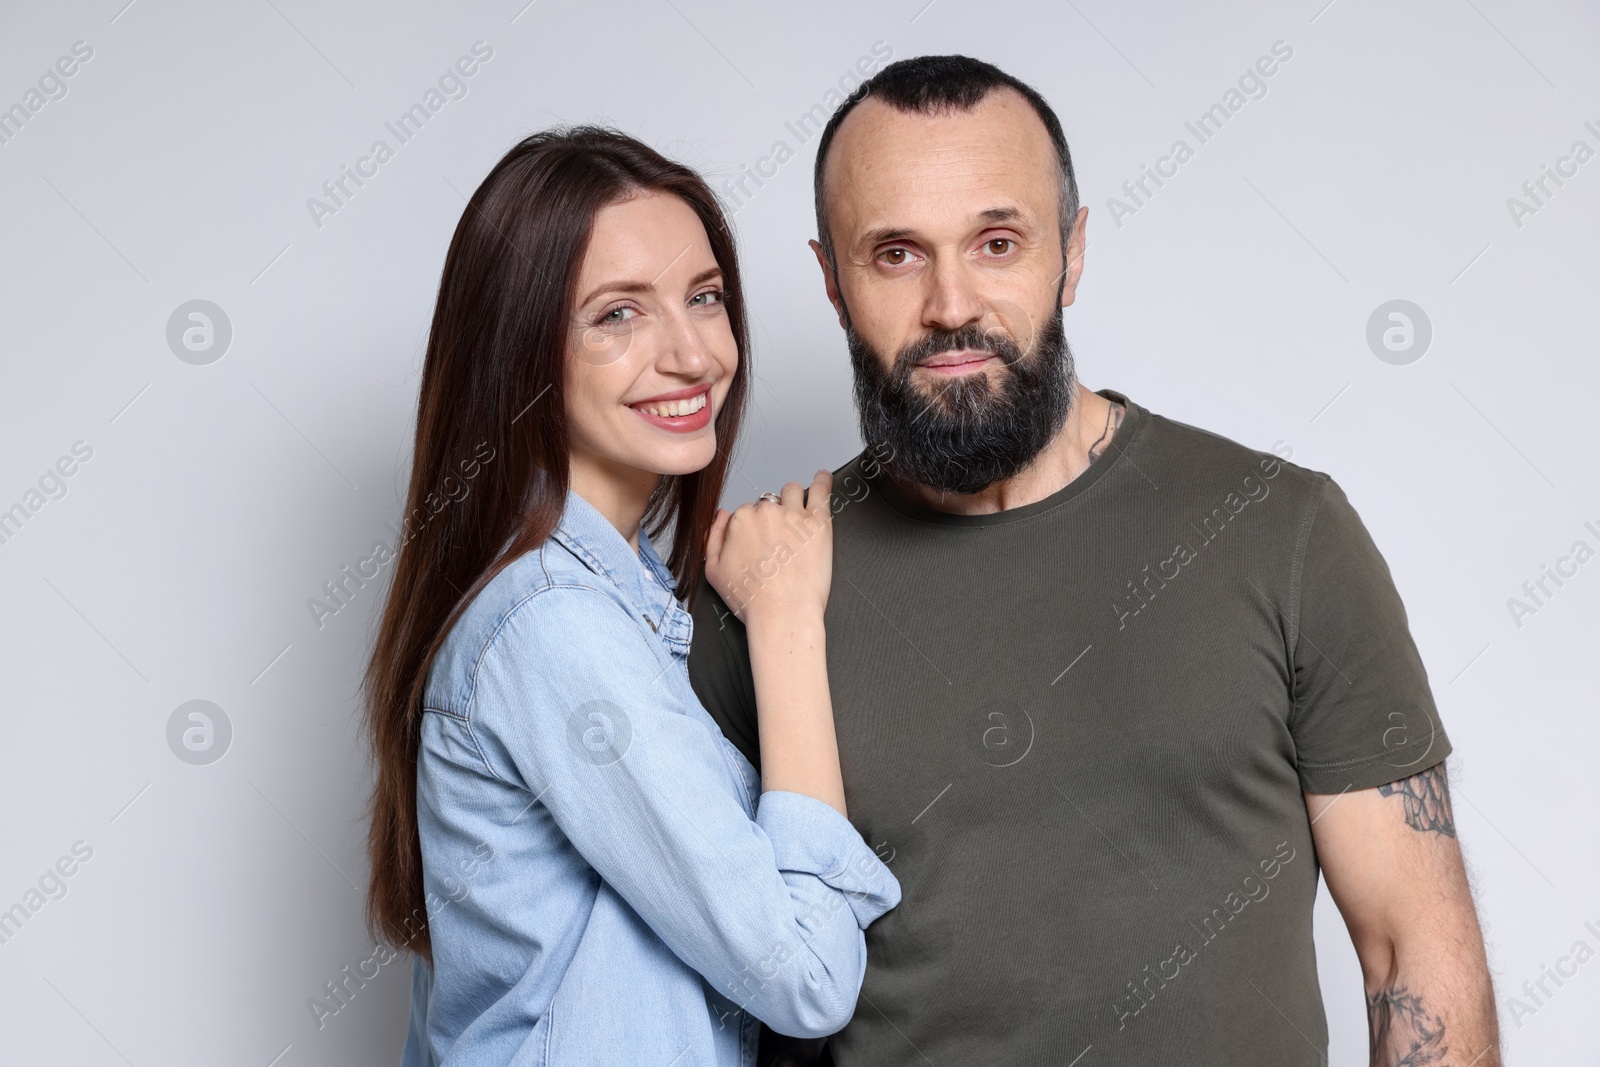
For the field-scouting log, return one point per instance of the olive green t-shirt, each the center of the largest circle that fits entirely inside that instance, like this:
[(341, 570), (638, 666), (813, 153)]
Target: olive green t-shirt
[(1079, 732)]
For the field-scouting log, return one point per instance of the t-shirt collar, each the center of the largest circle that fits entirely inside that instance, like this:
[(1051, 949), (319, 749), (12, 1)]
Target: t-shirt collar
[(1121, 442)]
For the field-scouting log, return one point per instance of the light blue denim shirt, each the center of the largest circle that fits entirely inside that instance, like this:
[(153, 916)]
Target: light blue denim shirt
[(606, 883)]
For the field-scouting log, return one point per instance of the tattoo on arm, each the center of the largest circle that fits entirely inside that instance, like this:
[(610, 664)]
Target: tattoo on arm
[(1427, 801), (1114, 417), (1403, 1033)]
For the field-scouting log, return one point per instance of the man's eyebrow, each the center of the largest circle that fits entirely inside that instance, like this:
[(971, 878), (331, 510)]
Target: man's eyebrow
[(882, 234), (645, 287), (1002, 214), (900, 233)]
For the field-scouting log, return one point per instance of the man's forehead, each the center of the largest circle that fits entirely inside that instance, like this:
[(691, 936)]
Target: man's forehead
[(884, 155)]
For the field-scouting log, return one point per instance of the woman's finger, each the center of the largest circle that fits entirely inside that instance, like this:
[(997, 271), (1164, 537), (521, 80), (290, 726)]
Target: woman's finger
[(819, 496), (718, 534)]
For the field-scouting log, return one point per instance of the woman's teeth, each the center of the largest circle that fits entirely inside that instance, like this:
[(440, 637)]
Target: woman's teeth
[(668, 409)]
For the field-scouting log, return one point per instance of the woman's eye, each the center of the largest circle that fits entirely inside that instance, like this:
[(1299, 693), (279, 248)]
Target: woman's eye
[(999, 246), (707, 298), (618, 314)]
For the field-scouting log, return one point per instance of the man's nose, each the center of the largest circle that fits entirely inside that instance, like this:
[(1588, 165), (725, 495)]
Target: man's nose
[(952, 299)]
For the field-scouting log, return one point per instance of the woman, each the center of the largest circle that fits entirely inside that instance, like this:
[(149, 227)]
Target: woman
[(588, 872)]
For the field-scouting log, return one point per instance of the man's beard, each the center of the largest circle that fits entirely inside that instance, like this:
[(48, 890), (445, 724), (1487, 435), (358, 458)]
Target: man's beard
[(964, 435)]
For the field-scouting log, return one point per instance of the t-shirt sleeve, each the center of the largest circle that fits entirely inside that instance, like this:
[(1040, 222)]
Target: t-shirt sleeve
[(719, 671), (1363, 713)]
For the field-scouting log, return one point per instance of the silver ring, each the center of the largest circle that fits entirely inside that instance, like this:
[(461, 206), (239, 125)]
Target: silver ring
[(772, 497)]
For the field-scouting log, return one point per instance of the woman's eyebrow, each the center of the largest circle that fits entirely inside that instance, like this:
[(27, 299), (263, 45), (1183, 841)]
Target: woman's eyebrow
[(705, 276), (646, 287)]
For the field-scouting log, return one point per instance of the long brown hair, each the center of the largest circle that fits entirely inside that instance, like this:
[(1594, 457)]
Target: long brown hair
[(491, 422)]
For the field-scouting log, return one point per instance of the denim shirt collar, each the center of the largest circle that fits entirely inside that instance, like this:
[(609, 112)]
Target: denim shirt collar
[(643, 580)]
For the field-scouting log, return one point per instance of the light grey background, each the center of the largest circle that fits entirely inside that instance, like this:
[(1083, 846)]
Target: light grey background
[(219, 498)]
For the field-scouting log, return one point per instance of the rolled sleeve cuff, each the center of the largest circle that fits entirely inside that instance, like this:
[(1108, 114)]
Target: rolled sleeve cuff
[(810, 837)]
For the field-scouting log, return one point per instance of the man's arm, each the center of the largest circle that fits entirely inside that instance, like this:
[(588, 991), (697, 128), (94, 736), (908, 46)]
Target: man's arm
[(1394, 869), (719, 671)]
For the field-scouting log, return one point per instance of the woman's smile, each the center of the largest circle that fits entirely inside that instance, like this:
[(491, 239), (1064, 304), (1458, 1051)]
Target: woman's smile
[(680, 411)]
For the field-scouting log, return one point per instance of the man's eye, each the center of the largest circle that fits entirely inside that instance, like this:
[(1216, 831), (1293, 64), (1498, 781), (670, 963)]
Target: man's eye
[(894, 257), (999, 246)]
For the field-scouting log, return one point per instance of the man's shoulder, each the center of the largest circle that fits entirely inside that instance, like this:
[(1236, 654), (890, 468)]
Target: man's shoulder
[(1187, 464), (864, 464), (1198, 461)]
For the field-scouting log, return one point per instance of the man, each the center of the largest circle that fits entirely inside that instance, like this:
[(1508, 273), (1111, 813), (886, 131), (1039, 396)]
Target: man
[(1109, 689)]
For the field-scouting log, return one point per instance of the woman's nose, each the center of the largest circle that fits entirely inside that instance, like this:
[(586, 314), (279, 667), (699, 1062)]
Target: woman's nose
[(685, 351)]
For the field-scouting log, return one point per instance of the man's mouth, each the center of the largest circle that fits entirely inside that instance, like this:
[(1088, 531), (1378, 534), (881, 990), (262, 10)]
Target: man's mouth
[(962, 361)]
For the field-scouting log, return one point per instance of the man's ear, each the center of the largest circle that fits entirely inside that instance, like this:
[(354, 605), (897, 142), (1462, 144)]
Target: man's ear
[(1076, 246), (829, 281)]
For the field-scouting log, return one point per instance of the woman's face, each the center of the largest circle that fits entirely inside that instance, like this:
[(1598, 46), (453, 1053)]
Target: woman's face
[(650, 352)]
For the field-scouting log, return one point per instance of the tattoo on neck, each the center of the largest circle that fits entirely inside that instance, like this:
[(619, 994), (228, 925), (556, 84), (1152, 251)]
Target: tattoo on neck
[(1403, 1033), (1427, 801), (1114, 417)]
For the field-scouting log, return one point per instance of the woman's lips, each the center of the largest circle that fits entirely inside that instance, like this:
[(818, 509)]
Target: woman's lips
[(680, 411)]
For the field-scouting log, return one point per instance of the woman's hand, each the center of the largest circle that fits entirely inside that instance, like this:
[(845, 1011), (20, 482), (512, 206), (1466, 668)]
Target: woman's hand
[(772, 563), (771, 560)]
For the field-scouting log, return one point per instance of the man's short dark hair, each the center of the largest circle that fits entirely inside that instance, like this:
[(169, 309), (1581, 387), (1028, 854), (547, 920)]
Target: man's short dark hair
[(927, 85)]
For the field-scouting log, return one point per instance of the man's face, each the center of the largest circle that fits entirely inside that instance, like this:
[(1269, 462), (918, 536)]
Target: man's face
[(949, 276)]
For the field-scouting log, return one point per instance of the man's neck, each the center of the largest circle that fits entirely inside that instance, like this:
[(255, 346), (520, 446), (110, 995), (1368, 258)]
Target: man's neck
[(1082, 439)]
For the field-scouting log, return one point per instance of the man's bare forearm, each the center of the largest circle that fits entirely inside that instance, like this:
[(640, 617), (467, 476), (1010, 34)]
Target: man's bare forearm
[(1435, 1005), (1394, 867), (1434, 1019)]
